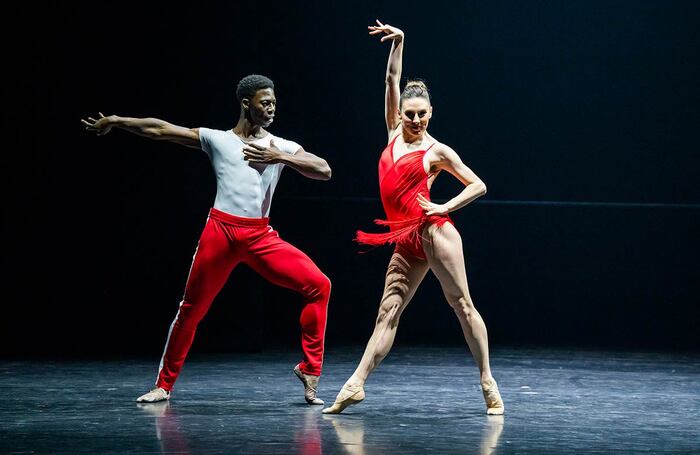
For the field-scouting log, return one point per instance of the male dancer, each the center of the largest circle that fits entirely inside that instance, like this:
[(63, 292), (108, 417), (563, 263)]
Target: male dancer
[(247, 162)]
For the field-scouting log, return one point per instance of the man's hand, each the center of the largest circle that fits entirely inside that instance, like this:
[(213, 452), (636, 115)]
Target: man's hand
[(255, 153), (431, 208), (389, 32), (100, 126)]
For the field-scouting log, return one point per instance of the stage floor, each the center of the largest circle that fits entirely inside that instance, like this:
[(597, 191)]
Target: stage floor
[(419, 400)]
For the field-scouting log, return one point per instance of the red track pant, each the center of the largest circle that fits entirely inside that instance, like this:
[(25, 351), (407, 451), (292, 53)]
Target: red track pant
[(226, 241)]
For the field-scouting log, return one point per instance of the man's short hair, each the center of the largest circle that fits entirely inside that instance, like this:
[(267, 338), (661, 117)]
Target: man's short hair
[(249, 85)]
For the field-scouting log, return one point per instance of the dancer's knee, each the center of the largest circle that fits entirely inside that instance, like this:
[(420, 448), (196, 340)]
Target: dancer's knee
[(189, 316), (318, 288), (463, 306)]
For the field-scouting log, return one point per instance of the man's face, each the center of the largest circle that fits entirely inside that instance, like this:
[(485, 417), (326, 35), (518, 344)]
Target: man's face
[(261, 107)]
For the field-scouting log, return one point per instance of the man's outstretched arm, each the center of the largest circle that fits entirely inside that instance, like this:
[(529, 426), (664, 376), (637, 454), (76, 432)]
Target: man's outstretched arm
[(151, 128)]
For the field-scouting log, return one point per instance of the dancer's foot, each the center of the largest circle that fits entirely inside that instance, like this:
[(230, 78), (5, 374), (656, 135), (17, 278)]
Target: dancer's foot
[(494, 402), (348, 395), (155, 395), (310, 385)]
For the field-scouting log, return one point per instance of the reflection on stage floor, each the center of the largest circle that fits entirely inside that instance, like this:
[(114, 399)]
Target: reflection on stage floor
[(419, 400)]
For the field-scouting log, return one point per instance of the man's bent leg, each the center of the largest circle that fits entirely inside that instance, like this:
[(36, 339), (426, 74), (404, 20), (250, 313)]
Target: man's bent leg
[(285, 265)]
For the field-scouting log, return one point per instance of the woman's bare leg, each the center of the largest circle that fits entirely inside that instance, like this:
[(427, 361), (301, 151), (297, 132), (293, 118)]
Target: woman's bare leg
[(403, 276), (443, 249)]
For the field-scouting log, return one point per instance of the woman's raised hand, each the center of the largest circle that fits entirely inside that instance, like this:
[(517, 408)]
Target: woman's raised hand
[(389, 32)]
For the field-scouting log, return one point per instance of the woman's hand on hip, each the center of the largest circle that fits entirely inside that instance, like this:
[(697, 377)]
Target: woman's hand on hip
[(431, 208)]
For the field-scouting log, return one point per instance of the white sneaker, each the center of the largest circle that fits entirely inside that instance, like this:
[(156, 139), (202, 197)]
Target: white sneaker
[(155, 395)]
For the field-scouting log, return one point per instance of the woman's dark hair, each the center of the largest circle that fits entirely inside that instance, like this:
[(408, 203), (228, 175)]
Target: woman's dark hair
[(249, 85), (414, 89)]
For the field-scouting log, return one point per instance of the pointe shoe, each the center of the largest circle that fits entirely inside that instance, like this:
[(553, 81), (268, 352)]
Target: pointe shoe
[(494, 402), (154, 396), (348, 395), (310, 385)]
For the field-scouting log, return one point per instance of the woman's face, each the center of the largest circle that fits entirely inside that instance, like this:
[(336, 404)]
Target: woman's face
[(415, 115)]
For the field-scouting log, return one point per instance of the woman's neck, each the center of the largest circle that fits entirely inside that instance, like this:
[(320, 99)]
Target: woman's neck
[(413, 139)]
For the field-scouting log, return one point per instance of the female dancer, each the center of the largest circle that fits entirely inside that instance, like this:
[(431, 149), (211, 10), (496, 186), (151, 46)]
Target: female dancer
[(424, 235)]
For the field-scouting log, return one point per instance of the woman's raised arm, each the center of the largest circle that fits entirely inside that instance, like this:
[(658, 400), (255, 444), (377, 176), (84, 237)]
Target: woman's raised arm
[(393, 72)]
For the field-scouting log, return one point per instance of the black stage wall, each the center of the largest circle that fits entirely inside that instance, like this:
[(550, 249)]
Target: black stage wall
[(582, 118)]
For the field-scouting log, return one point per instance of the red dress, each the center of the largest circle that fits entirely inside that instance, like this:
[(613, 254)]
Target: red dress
[(400, 182)]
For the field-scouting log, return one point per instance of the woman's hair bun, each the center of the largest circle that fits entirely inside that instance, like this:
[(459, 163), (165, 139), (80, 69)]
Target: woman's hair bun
[(417, 83)]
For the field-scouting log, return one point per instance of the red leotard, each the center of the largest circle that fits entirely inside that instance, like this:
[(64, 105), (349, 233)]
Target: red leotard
[(400, 182)]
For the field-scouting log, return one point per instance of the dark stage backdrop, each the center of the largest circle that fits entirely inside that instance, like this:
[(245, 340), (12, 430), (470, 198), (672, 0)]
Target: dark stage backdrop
[(581, 116)]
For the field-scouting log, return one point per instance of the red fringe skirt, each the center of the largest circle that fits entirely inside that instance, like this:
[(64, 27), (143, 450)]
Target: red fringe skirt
[(405, 234)]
